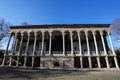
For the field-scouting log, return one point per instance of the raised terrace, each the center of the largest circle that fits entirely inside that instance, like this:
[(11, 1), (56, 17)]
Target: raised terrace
[(61, 46)]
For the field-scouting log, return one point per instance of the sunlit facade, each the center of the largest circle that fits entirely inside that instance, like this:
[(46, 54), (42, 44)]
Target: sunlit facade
[(67, 46)]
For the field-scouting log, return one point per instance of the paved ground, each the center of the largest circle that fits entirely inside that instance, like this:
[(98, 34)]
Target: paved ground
[(36, 74)]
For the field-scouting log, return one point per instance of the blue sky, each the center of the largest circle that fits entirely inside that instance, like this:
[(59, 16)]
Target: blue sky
[(59, 11)]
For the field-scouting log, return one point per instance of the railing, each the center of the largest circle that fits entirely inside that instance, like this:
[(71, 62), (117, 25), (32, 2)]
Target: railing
[(15, 52), (37, 53), (60, 53), (101, 53), (68, 53), (85, 53), (93, 53), (22, 53), (57, 52), (110, 52), (76, 53)]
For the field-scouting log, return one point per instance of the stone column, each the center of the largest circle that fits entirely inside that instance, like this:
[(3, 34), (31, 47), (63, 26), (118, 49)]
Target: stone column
[(26, 49), (111, 43), (63, 35), (16, 42), (106, 58), (6, 51), (42, 43), (13, 48), (89, 58), (71, 43), (19, 49), (96, 49), (20, 43), (80, 52), (50, 43), (81, 61), (34, 47)]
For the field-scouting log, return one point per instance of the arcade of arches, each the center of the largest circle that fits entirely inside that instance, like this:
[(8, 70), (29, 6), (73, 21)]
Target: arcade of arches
[(60, 48)]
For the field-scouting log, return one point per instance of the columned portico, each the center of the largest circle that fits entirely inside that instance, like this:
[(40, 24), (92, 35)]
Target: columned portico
[(115, 59), (26, 49), (50, 43), (105, 52), (71, 37), (20, 49), (63, 35), (96, 49), (72, 47), (6, 51), (88, 49), (43, 36)]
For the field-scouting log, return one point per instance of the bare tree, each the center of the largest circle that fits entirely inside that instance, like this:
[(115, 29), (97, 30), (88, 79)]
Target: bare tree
[(4, 29), (25, 24), (115, 27)]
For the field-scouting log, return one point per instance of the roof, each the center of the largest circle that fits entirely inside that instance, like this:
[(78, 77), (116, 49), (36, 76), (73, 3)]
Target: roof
[(61, 26)]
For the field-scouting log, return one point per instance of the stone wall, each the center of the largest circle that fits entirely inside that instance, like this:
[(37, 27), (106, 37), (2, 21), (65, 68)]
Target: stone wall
[(57, 62)]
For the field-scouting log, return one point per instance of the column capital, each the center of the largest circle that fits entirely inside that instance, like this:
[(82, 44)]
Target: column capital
[(71, 33), (15, 34), (77, 31), (93, 32), (86, 33), (22, 34), (101, 33), (108, 33), (63, 33), (43, 34), (28, 34), (50, 33), (35, 34)]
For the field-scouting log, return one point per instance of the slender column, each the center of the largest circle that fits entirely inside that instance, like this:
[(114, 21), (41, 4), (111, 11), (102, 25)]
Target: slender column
[(106, 58), (13, 48), (87, 43), (42, 43), (35, 39), (89, 58), (34, 46), (63, 35), (80, 52), (96, 49), (26, 49), (116, 62), (27, 44), (71, 43), (6, 51), (111, 43), (19, 49), (81, 61), (50, 43), (20, 43), (16, 42)]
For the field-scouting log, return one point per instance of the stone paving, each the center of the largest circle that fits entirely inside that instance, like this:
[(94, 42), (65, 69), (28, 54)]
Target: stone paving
[(44, 74)]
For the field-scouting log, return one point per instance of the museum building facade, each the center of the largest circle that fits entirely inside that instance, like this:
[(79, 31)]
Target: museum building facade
[(81, 46)]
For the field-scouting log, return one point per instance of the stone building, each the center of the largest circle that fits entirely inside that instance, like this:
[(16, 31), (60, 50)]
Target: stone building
[(81, 46)]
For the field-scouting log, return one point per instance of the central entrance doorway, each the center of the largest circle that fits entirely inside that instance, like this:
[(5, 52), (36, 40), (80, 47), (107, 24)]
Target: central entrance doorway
[(77, 62)]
